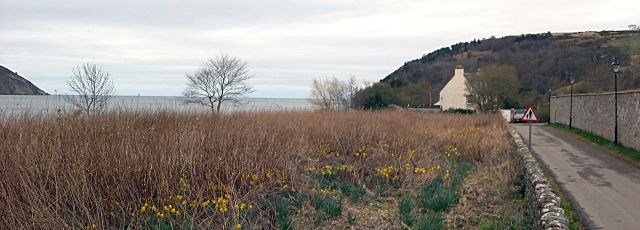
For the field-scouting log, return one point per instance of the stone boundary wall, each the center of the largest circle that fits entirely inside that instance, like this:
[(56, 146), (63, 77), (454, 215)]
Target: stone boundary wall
[(543, 204), (595, 113)]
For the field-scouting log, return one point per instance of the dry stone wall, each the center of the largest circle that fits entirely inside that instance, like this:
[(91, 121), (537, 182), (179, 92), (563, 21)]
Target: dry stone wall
[(544, 204)]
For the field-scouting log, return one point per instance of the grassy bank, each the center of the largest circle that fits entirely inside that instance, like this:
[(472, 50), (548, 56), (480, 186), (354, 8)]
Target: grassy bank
[(269, 169), (626, 153)]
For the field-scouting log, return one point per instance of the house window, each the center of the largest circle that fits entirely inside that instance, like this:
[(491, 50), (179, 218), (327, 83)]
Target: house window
[(469, 99)]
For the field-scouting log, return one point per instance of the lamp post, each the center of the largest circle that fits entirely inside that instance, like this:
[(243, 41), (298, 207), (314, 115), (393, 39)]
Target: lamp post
[(616, 68), (572, 79), (549, 106)]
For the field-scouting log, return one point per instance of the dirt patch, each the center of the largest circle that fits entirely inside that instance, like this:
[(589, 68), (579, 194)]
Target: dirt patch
[(363, 215)]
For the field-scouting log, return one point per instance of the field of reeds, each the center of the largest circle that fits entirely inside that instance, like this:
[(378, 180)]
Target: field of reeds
[(248, 170)]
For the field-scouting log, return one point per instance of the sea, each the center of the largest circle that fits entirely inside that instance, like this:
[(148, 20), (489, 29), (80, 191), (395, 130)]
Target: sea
[(41, 104)]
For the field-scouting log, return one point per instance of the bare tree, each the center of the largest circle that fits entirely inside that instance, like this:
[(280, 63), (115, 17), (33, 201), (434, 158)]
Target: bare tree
[(492, 86), (92, 87), (333, 94), (220, 79)]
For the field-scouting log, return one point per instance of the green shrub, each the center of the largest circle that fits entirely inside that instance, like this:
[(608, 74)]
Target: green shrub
[(460, 111)]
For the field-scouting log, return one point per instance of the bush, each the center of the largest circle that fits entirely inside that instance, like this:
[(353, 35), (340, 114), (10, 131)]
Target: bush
[(460, 111)]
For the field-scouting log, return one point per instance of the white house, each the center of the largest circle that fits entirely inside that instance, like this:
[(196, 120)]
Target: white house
[(454, 94)]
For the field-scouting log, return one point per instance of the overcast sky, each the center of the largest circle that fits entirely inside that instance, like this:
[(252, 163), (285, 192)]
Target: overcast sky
[(148, 46)]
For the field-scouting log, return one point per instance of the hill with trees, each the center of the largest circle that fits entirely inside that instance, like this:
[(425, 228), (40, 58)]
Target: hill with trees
[(541, 61), (13, 84)]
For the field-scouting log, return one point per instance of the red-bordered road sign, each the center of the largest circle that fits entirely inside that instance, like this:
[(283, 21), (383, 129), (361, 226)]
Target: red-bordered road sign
[(529, 116)]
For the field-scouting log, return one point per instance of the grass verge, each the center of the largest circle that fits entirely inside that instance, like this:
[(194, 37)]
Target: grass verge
[(626, 153)]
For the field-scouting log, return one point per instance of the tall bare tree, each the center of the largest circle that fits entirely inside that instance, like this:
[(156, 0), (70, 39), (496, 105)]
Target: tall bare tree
[(333, 94), (220, 79), (491, 86), (92, 87)]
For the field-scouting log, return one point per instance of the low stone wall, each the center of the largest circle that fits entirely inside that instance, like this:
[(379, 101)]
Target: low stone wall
[(544, 205)]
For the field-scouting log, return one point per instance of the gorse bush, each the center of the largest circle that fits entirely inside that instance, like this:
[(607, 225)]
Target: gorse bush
[(153, 170)]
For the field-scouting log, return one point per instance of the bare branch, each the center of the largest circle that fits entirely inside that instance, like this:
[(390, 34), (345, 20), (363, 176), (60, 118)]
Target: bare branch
[(333, 94), (220, 79), (92, 87)]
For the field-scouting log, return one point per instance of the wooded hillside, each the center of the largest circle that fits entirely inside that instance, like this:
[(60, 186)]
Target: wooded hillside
[(543, 61)]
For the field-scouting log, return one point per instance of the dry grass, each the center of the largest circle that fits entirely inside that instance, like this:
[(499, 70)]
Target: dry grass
[(127, 169)]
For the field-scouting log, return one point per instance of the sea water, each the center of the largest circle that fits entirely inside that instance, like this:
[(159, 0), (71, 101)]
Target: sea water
[(18, 104)]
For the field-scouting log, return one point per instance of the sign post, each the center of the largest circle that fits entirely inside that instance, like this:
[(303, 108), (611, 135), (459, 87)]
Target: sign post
[(529, 117)]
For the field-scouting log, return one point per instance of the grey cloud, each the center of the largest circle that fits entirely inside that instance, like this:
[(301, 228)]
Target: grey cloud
[(286, 42)]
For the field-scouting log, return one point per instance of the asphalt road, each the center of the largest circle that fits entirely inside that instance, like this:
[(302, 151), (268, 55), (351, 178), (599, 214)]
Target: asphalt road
[(603, 189)]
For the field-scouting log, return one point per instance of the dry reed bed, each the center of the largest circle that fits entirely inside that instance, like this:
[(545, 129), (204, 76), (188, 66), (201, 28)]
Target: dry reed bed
[(125, 168)]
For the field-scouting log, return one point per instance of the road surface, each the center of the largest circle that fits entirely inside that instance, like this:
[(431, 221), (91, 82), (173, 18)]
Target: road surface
[(605, 190)]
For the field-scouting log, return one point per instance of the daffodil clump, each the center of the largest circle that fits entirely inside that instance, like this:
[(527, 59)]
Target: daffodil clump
[(324, 149), (166, 211), (452, 151), (344, 168), (327, 170), (386, 172), (411, 153), (360, 153), (221, 203), (419, 170)]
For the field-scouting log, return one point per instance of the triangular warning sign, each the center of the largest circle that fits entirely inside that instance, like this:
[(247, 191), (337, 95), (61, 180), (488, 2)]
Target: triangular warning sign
[(529, 115)]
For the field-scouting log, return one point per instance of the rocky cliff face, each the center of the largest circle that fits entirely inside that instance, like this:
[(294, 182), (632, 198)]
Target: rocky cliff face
[(13, 84)]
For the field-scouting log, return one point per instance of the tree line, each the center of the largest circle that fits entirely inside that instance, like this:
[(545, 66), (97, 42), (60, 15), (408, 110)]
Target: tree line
[(542, 62)]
